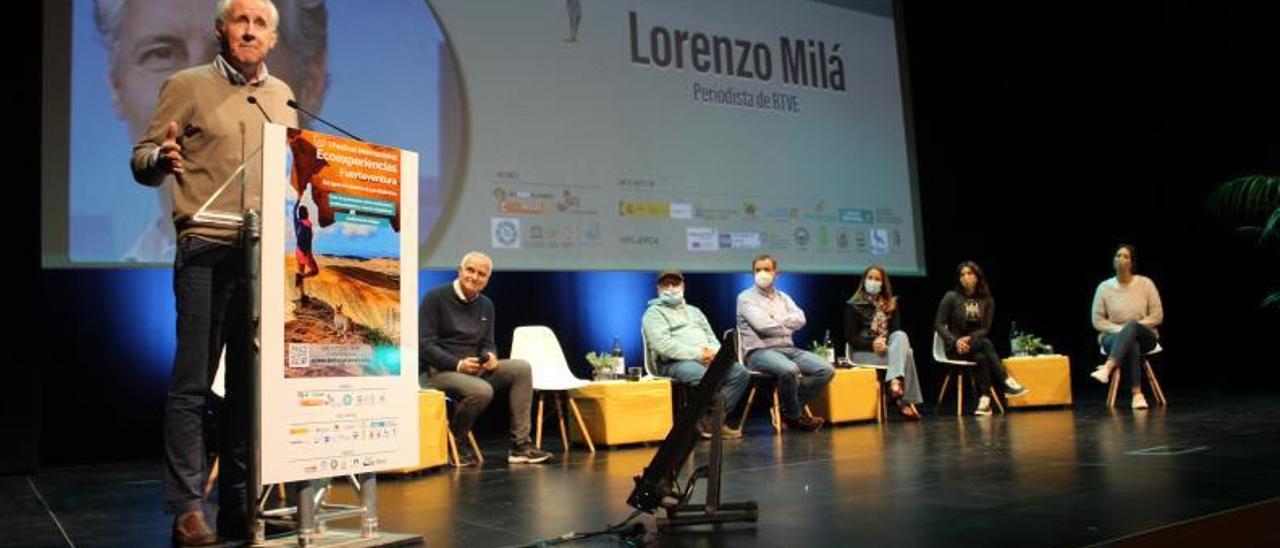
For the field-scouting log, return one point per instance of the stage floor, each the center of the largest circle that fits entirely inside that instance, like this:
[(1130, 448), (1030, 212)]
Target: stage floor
[(1054, 477)]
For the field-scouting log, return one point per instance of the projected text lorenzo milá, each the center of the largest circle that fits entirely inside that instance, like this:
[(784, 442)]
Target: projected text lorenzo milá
[(805, 62)]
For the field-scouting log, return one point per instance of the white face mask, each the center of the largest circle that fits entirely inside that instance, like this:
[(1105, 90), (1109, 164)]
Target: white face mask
[(764, 279), (673, 296), (872, 287)]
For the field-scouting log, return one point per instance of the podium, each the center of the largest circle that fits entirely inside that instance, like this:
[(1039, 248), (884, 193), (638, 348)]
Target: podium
[(332, 260)]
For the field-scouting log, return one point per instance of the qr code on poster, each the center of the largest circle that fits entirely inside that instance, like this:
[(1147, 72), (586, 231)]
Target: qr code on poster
[(299, 355)]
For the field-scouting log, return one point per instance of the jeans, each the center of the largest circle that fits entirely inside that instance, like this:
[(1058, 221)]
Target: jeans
[(690, 372), (1128, 348), (472, 393), (799, 374), (211, 295)]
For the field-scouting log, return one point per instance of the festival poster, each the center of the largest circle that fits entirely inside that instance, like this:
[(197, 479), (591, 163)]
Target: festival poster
[(339, 361)]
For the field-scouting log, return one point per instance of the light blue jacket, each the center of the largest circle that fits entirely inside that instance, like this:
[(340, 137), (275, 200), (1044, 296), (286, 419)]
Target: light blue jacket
[(677, 333)]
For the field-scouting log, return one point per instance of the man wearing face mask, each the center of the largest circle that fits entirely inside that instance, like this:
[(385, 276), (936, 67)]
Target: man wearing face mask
[(683, 345), (767, 317)]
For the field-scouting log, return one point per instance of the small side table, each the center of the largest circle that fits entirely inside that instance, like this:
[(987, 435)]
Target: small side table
[(851, 396), (1048, 377), (621, 412)]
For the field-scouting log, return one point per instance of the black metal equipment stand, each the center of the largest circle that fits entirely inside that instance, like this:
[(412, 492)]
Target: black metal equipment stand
[(713, 511), (657, 487)]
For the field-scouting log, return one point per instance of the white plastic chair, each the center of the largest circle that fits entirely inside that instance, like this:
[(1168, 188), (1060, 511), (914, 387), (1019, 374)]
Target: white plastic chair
[(219, 389), (649, 371), (775, 410), (1114, 386), (538, 345), (940, 356), (679, 390)]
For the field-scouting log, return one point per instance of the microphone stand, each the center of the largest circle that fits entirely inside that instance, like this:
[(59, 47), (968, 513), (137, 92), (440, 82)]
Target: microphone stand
[(294, 105)]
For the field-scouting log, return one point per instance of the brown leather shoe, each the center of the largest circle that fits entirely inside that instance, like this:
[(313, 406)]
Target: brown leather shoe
[(190, 529), (804, 423)]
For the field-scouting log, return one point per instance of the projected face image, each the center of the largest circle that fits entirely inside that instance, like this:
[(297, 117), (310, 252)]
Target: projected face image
[(148, 41), (339, 58)]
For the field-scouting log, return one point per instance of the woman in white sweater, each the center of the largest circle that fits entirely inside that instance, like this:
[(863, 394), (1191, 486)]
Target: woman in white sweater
[(1126, 312)]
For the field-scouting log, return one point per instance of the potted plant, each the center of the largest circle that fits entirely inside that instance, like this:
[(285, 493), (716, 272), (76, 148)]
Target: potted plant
[(1024, 343), (601, 365), (824, 351), (1251, 204)]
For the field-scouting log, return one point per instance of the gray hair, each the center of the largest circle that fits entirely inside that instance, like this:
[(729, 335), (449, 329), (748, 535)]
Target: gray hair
[(220, 12), (476, 255)]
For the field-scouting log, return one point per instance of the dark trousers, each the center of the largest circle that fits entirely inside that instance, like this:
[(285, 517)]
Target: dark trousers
[(989, 365), (1128, 348), (472, 393), (211, 296)]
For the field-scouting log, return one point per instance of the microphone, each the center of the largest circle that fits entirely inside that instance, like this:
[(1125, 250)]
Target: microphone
[(294, 105), (254, 101)]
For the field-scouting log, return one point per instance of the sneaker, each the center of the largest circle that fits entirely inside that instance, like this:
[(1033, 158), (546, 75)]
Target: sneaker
[(984, 406), (528, 454), (804, 423), (1102, 374), (1139, 401), (728, 433), (1013, 390)]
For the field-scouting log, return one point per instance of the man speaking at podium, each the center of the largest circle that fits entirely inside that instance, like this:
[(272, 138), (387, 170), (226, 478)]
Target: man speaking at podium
[(203, 127)]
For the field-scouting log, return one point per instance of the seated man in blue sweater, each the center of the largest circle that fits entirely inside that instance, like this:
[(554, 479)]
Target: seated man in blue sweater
[(458, 356), (683, 345)]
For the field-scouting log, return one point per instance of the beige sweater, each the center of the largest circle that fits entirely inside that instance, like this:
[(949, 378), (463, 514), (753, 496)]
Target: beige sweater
[(1114, 305), (212, 114)]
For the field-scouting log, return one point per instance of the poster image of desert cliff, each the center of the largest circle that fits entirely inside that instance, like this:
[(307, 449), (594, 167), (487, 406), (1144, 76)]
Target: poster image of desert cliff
[(342, 258)]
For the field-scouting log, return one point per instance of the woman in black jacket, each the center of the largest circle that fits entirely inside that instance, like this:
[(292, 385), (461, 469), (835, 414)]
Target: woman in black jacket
[(873, 329), (964, 321)]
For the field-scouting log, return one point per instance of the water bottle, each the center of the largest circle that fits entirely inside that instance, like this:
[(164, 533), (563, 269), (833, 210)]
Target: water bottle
[(619, 362), (1013, 340), (826, 343)]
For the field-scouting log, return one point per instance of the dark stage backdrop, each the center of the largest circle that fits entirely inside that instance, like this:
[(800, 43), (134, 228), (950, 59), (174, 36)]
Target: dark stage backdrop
[(1045, 135)]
